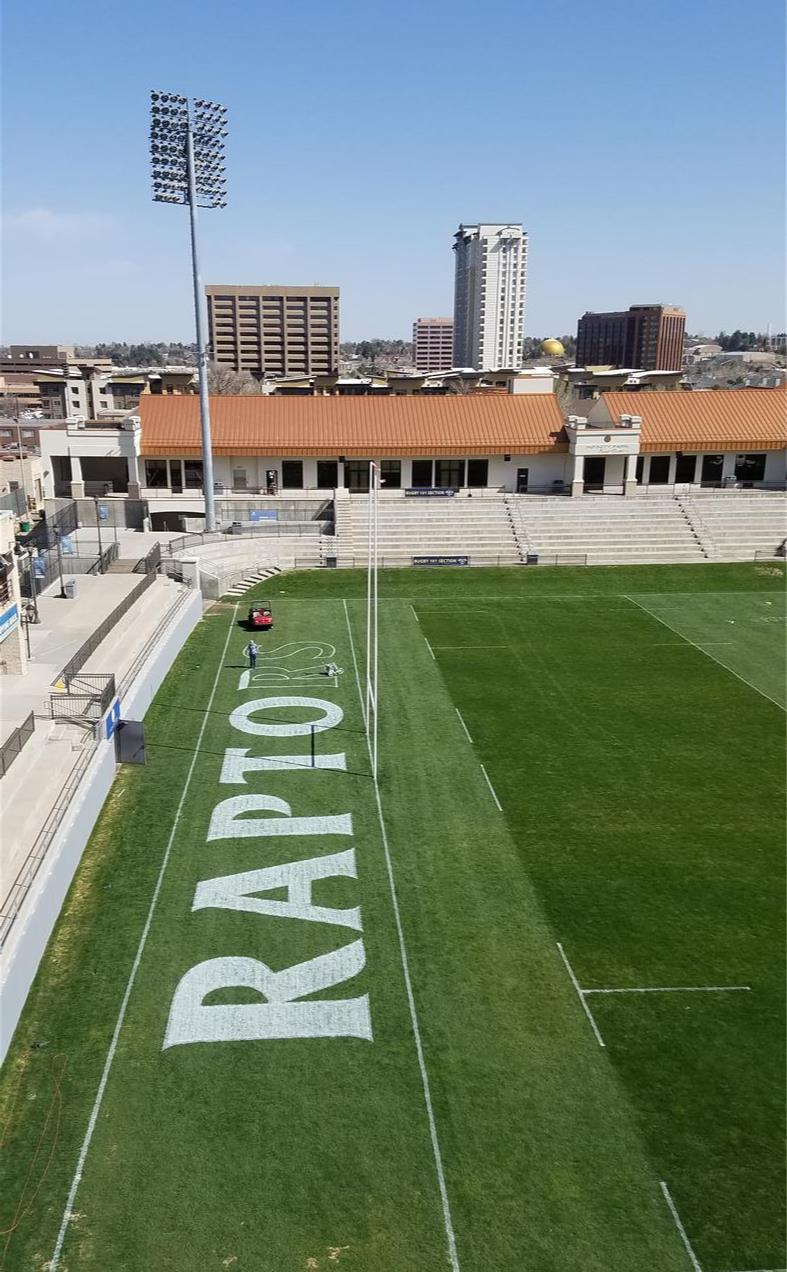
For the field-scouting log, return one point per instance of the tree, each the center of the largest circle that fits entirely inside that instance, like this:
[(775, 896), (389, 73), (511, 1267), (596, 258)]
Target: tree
[(226, 382)]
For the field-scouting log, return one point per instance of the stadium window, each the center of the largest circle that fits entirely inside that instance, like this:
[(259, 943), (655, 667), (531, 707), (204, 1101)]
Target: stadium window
[(659, 470), (640, 468), (685, 468), (327, 474), (750, 467), (449, 472), (712, 466), (356, 475), (391, 473), (422, 473), (478, 472), (292, 474), (192, 474), (155, 472)]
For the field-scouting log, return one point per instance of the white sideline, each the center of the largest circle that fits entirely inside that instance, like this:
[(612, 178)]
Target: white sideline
[(464, 726), (492, 789), (695, 1263), (673, 989), (429, 647), (438, 1159), (415, 616), (705, 651), (581, 997), (91, 1126)]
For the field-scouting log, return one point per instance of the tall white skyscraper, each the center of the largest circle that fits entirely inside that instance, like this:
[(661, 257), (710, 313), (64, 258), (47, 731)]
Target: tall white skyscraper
[(489, 296)]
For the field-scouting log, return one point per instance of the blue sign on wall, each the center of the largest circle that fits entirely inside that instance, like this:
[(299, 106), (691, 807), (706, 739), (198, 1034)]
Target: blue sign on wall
[(113, 717), (441, 560), (9, 620), (263, 514), (103, 512), (429, 491)]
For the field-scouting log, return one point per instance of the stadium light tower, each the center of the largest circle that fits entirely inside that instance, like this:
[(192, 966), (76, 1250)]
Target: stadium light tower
[(187, 166)]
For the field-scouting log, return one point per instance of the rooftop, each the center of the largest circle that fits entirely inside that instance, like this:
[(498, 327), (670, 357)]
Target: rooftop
[(359, 427)]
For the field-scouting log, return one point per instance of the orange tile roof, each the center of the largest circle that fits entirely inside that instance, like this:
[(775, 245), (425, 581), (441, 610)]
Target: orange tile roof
[(359, 427), (706, 420)]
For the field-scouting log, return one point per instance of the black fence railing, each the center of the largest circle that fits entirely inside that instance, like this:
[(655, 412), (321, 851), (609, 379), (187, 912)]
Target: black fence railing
[(149, 564), (86, 697), (14, 501), (75, 664), (103, 562), (45, 532), (14, 743)]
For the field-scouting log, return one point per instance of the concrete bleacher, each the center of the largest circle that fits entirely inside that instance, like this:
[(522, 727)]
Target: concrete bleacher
[(609, 530), (740, 523), (480, 527)]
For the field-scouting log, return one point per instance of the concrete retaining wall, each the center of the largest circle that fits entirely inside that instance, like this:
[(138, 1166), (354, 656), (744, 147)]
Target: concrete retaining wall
[(35, 922)]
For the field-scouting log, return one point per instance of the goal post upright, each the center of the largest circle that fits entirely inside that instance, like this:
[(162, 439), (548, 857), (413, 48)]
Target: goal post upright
[(372, 624)]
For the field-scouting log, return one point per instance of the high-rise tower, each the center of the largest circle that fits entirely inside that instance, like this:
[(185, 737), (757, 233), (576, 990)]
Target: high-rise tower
[(489, 295)]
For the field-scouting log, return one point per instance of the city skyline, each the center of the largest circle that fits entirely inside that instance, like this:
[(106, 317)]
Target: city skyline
[(336, 190)]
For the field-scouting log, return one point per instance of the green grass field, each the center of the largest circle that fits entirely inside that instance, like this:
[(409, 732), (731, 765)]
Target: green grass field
[(581, 791)]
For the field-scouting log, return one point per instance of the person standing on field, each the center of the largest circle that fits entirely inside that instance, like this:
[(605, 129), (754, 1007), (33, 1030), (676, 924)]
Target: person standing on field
[(252, 649)]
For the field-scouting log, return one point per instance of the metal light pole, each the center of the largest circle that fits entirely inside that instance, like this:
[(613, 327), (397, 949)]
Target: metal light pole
[(187, 165), (98, 532)]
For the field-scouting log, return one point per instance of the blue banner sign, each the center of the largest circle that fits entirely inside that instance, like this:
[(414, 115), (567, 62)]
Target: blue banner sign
[(103, 512), (263, 514), (9, 620), (428, 491), (112, 717), (441, 560)]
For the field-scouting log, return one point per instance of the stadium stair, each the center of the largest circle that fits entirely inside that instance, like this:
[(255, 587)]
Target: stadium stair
[(479, 526), (740, 524), (253, 577), (608, 529)]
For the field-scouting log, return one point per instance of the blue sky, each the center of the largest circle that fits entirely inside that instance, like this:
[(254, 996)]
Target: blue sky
[(641, 146)]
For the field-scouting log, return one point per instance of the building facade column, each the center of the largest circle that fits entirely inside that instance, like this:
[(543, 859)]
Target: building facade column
[(630, 475), (578, 475), (77, 484)]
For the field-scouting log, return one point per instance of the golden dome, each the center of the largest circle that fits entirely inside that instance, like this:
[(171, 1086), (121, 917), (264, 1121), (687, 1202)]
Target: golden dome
[(553, 347)]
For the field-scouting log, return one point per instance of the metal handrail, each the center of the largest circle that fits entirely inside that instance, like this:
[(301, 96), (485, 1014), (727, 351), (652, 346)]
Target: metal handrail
[(102, 631), (15, 742)]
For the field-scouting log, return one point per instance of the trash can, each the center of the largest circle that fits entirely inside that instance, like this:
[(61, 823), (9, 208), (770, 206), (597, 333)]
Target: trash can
[(24, 527), (70, 589), (532, 558)]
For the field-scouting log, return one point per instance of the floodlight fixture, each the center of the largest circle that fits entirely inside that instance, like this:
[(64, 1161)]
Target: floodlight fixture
[(187, 167)]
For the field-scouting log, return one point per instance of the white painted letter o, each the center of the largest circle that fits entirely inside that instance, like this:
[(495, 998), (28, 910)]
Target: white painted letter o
[(331, 716)]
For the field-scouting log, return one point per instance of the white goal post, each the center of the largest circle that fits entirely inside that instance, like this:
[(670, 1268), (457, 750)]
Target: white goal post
[(372, 626)]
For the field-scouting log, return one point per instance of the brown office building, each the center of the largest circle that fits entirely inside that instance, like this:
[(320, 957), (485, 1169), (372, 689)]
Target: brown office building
[(433, 344), (275, 331), (643, 338)]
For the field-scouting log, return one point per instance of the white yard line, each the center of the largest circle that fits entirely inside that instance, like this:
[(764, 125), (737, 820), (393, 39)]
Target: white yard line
[(415, 616), (438, 1158), (581, 997), (91, 1126), (705, 651), (492, 789), (695, 1263), (429, 647), (472, 646), (674, 989), (464, 726)]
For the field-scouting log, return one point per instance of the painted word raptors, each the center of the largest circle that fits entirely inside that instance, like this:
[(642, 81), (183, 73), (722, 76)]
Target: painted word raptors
[(281, 1011)]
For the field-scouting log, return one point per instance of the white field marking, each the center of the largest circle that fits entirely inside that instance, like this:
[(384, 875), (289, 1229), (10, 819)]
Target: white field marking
[(464, 726), (581, 997), (429, 647), (438, 1158), (415, 616), (91, 1126), (557, 596), (706, 652), (492, 789), (695, 1263), (673, 989), (460, 647)]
